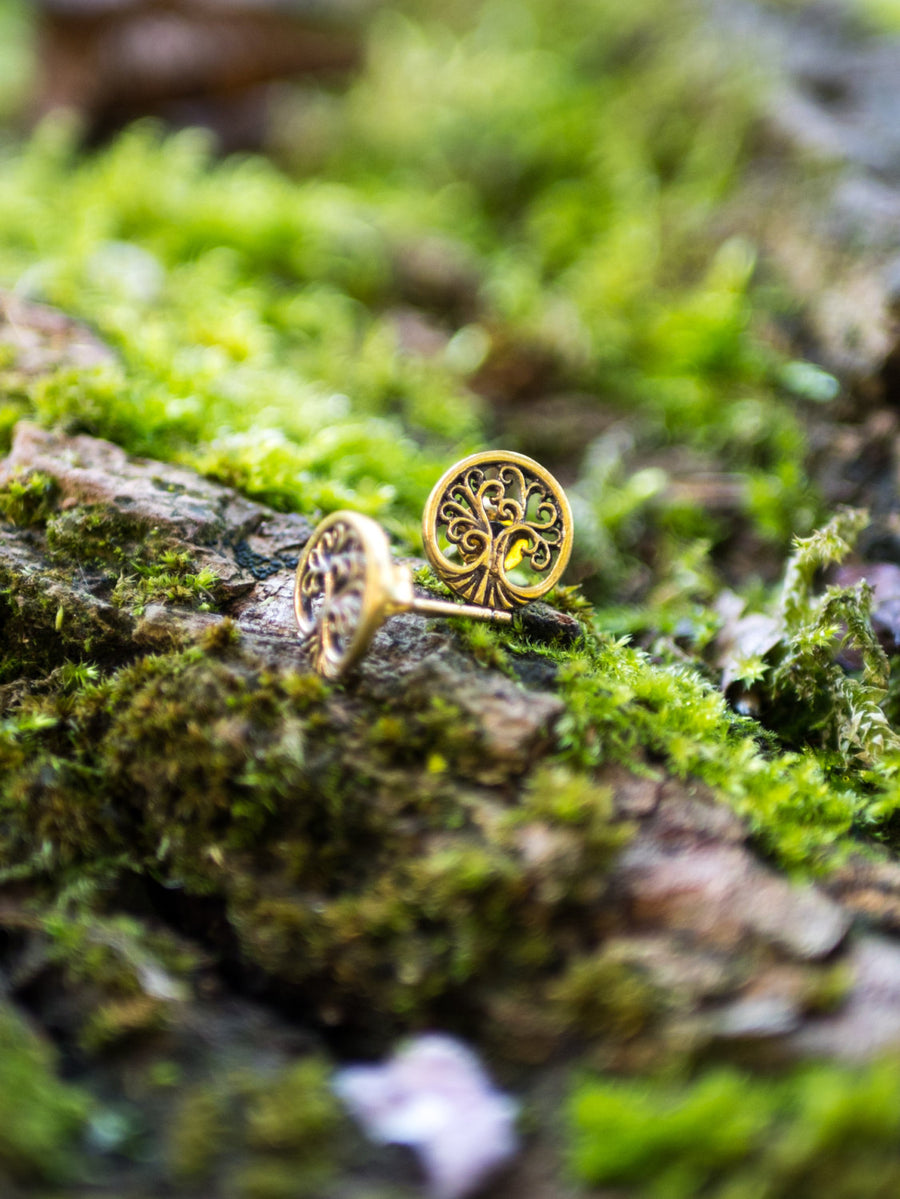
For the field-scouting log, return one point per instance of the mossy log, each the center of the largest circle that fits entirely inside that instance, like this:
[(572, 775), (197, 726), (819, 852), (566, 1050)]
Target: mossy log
[(191, 817), (219, 877)]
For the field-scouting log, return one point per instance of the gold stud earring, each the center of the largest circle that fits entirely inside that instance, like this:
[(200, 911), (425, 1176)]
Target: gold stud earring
[(498, 529), (348, 584)]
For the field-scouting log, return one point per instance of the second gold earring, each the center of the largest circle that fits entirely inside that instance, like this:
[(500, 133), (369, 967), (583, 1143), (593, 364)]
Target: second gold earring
[(348, 584), (498, 529)]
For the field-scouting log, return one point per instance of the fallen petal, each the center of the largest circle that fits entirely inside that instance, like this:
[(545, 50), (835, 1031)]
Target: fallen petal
[(434, 1096)]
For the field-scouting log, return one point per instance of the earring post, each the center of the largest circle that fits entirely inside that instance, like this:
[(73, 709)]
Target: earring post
[(472, 611)]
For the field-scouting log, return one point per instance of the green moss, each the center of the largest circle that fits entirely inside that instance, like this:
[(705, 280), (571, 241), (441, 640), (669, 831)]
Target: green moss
[(811, 691), (93, 535), (42, 631), (98, 552), (562, 163), (198, 767), (297, 1113), (200, 1128), (620, 705), (282, 1125), (340, 833), (27, 498), (40, 1117), (121, 1022), (128, 978), (253, 310), (149, 567), (485, 643), (602, 997), (822, 1130), (272, 1180)]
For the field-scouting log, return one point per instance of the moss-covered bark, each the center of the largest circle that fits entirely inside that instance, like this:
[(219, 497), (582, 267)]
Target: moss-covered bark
[(218, 875), (427, 844)]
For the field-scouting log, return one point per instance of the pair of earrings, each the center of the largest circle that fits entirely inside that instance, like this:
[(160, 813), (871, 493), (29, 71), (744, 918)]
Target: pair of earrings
[(497, 529)]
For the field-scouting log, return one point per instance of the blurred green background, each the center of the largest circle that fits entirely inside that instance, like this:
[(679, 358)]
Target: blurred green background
[(514, 223)]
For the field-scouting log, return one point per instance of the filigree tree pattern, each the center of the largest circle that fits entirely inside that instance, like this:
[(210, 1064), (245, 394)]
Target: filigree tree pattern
[(330, 596), (498, 512)]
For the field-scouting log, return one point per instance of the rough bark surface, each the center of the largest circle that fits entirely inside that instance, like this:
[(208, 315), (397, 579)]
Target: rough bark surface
[(692, 940)]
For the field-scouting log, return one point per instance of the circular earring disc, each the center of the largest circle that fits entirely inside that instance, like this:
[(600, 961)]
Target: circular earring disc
[(342, 590), (495, 513)]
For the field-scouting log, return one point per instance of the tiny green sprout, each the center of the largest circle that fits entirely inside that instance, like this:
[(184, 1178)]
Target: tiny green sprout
[(486, 644), (570, 599), (73, 676)]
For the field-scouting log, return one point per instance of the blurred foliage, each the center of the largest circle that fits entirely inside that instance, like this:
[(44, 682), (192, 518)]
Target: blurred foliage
[(825, 1129), (40, 1117), (795, 656), (573, 157), (16, 59)]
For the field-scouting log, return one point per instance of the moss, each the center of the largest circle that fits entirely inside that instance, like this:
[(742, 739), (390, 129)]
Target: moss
[(148, 563), (27, 498), (270, 1180), (93, 535), (823, 1129), (197, 768), (829, 771), (297, 1113), (809, 690), (121, 1021), (44, 628), (221, 637), (253, 309), (602, 997), (199, 1129), (283, 1125), (360, 861), (40, 1116), (342, 833), (485, 643), (128, 979), (88, 562), (619, 703), (250, 308)]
